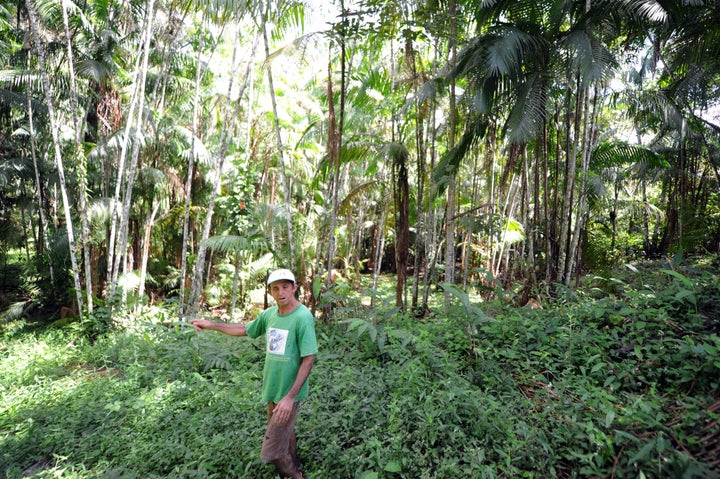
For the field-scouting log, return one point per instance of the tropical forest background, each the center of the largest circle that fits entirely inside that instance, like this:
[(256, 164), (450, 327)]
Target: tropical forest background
[(505, 216)]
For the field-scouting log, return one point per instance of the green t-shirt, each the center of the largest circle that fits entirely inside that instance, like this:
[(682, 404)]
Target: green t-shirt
[(290, 337)]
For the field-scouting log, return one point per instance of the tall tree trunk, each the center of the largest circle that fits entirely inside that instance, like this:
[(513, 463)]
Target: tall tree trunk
[(226, 136), (113, 250), (450, 206), (553, 204), (379, 248), (421, 108), (124, 230), (149, 223), (281, 154), (81, 168), (432, 244), (402, 221), (332, 184), (507, 213), (572, 123), (531, 183), (117, 244), (188, 184), (55, 128), (236, 283), (43, 240), (588, 127)]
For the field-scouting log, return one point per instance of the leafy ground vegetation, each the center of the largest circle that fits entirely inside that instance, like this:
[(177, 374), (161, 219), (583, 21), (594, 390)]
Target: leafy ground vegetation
[(619, 378)]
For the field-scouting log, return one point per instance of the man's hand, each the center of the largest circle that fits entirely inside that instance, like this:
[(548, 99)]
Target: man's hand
[(283, 410), (200, 324)]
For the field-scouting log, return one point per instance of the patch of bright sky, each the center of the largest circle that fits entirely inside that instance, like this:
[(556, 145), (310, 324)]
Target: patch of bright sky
[(616, 85), (320, 14)]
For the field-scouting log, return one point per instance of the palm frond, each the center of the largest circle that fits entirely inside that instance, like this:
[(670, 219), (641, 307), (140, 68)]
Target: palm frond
[(95, 70), (642, 10), (590, 58), (221, 11), (450, 162), (528, 113), (18, 81), (13, 168), (290, 15), (611, 154), (200, 151), (254, 242), (594, 190), (347, 203), (13, 312)]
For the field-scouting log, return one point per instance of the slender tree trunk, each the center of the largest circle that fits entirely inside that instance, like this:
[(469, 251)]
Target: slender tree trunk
[(507, 213), (573, 130), (81, 168), (588, 126), (124, 231), (116, 247), (402, 221), (432, 244), (281, 155), (55, 128), (379, 249), (421, 149), (468, 242), (552, 215), (116, 214), (188, 184), (334, 160), (149, 223), (493, 193), (228, 126), (418, 263), (43, 225), (531, 198), (647, 244), (450, 206), (236, 282), (23, 221)]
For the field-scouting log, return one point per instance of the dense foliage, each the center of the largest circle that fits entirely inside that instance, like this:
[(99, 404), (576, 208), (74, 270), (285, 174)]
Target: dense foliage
[(618, 379), (155, 149)]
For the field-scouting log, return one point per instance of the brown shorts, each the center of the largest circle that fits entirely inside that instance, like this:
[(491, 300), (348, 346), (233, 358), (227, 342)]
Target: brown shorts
[(279, 438)]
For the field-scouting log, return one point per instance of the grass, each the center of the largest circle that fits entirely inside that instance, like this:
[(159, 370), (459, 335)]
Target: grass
[(613, 385)]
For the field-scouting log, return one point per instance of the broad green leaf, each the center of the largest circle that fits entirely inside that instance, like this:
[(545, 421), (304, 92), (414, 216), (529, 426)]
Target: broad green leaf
[(609, 417), (317, 286), (356, 324), (643, 453), (686, 294), (638, 352), (684, 279), (631, 268)]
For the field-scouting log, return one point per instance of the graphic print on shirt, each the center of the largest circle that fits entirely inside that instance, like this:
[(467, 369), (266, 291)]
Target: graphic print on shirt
[(276, 339)]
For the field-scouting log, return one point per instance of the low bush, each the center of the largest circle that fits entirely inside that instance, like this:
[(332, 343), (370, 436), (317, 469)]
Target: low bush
[(621, 386)]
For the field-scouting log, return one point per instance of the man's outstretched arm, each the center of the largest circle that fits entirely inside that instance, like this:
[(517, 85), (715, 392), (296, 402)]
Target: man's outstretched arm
[(231, 329)]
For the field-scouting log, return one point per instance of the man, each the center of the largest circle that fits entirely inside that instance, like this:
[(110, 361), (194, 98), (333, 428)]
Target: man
[(291, 347)]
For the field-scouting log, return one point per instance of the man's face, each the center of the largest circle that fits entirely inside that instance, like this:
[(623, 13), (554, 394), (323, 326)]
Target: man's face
[(283, 292)]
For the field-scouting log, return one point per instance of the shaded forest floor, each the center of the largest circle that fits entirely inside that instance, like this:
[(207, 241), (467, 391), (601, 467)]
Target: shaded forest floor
[(620, 378)]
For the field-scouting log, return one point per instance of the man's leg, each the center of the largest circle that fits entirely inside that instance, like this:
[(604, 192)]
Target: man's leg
[(279, 446)]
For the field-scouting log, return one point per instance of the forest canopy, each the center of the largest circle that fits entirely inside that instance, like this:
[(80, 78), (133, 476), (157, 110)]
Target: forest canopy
[(159, 150)]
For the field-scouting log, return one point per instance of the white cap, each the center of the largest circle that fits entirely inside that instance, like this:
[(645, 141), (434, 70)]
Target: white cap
[(280, 275)]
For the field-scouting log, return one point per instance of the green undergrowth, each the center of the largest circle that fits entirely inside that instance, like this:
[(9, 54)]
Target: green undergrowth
[(621, 384)]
